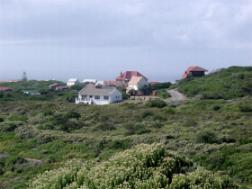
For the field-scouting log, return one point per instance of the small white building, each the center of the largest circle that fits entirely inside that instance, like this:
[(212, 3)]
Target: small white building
[(98, 95), (137, 83), (72, 82)]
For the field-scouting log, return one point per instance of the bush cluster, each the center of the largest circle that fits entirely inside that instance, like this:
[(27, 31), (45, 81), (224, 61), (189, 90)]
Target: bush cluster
[(143, 167)]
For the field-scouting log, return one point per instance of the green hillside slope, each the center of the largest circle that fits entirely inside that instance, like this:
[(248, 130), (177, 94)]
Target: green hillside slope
[(228, 83)]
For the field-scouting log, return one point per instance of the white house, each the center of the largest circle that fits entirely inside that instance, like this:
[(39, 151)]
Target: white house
[(137, 83), (99, 95), (72, 82)]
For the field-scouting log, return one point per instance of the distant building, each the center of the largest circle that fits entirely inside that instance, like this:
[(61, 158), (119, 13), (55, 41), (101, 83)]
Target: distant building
[(110, 83), (124, 78), (99, 95), (5, 89), (31, 93), (58, 86), (61, 88), (10, 81), (55, 85), (137, 83), (72, 82), (194, 71), (86, 81)]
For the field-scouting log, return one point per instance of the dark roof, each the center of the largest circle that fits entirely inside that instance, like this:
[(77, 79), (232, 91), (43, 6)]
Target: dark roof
[(55, 85), (193, 69), (91, 89), (196, 69)]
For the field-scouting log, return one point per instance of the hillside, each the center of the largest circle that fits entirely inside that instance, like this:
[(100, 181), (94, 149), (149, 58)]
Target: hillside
[(233, 82), (41, 135), (40, 87)]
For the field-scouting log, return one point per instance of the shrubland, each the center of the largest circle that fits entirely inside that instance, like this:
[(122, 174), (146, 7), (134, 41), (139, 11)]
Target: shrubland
[(142, 167), (37, 136), (203, 143), (233, 82)]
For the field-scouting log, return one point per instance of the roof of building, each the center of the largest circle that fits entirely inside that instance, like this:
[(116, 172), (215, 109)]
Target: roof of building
[(60, 87), (56, 85), (196, 69), (91, 89), (193, 69), (135, 80), (128, 75), (2, 88)]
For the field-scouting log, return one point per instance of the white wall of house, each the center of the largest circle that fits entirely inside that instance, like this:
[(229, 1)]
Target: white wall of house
[(138, 86), (72, 82), (115, 96)]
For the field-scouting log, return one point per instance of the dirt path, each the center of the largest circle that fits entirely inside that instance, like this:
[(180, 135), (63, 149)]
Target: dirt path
[(176, 97)]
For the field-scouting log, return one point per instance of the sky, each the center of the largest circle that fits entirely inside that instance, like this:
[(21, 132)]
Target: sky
[(61, 39)]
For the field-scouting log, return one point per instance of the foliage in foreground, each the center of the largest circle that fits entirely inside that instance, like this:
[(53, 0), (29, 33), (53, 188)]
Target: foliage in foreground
[(143, 167)]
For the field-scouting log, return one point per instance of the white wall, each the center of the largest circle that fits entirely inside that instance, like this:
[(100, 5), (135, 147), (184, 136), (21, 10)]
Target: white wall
[(116, 96), (138, 86)]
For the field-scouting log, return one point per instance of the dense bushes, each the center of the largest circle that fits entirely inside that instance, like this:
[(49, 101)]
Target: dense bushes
[(163, 94), (207, 137), (157, 103), (159, 86), (143, 167)]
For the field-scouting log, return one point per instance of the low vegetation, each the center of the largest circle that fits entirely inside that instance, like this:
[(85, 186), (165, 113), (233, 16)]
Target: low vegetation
[(234, 82), (52, 143), (143, 167)]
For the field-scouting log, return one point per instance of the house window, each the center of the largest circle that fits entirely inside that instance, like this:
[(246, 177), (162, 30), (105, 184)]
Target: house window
[(97, 97), (90, 96), (106, 97), (84, 97)]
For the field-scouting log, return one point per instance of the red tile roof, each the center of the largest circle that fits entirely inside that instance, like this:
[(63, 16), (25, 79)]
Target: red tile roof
[(196, 69), (193, 69), (128, 75), (4, 89)]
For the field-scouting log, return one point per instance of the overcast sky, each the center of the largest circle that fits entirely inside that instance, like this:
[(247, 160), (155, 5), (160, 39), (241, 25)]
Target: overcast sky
[(59, 39)]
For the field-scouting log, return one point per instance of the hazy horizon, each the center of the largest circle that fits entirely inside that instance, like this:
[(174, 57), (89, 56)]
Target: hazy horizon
[(61, 39)]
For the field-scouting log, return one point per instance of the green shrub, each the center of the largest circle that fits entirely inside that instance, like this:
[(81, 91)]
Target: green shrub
[(105, 126), (245, 107), (10, 126), (15, 117), (156, 103), (142, 167), (216, 107), (136, 128), (207, 137), (146, 114), (163, 94)]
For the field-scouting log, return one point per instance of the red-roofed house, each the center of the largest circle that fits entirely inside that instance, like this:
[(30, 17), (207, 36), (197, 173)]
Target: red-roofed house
[(194, 71), (125, 77), (5, 89)]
